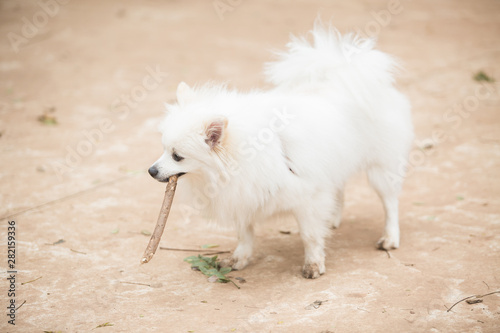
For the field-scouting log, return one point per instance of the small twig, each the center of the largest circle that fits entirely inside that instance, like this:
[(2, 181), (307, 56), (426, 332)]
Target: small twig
[(138, 283), (388, 253), (38, 278), (212, 253), (103, 325), (77, 251), (194, 250), (459, 302), (20, 305), (486, 285), (477, 296), (234, 283), (488, 294)]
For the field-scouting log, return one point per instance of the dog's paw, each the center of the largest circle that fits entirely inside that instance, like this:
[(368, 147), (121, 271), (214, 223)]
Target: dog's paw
[(388, 243), (228, 262), (311, 271), (234, 263)]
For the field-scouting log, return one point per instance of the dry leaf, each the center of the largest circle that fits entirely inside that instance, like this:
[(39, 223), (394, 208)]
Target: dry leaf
[(316, 304)]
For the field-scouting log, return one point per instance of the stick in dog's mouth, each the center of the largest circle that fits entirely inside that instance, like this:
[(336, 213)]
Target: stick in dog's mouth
[(162, 220)]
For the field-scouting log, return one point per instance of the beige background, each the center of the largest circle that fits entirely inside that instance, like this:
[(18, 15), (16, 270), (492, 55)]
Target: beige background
[(75, 62)]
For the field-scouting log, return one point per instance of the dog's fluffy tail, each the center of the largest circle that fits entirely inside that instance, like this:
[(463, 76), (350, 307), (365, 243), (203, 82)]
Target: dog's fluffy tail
[(340, 61)]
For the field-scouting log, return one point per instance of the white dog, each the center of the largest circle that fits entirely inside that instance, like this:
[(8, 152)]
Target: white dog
[(245, 157)]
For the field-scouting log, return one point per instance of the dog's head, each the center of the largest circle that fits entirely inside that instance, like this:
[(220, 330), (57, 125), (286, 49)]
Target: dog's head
[(192, 138)]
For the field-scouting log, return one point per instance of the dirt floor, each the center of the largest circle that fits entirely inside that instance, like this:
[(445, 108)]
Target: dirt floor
[(101, 70)]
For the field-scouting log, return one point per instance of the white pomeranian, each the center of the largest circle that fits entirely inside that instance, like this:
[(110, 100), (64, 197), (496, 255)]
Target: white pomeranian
[(246, 156)]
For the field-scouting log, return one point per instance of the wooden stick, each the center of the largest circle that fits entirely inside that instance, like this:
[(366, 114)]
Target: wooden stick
[(162, 220), (204, 251)]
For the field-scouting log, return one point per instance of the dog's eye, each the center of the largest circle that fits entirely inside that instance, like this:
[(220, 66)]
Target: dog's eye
[(176, 157)]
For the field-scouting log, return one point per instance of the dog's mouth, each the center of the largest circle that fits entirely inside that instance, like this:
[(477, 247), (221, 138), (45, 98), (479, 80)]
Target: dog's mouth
[(165, 180)]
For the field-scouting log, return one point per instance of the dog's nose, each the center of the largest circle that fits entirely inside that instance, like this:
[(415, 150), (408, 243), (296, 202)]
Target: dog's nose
[(153, 171)]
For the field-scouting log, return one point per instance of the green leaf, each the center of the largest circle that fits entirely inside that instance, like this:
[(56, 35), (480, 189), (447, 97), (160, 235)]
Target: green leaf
[(145, 233), (104, 325), (225, 270), (482, 76), (209, 266), (209, 246), (47, 119), (190, 258)]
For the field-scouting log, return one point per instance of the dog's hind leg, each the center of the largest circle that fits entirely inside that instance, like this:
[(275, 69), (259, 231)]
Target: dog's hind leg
[(388, 186), (313, 217), (243, 252), (338, 206)]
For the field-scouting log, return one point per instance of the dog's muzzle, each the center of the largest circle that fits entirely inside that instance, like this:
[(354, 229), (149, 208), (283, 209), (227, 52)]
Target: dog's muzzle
[(153, 171)]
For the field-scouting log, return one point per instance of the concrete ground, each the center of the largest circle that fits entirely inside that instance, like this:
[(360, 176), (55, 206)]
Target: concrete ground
[(82, 85)]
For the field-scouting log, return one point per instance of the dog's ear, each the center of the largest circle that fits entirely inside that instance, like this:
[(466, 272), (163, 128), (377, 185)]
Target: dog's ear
[(215, 131), (184, 93)]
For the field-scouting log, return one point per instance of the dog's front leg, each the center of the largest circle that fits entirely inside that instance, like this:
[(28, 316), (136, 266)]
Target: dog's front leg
[(243, 252)]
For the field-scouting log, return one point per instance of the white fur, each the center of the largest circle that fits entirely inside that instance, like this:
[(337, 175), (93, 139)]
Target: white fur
[(334, 111)]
